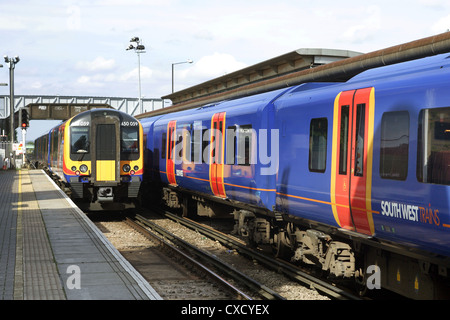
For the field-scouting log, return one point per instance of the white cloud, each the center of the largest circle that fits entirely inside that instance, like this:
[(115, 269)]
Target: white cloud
[(368, 26), (212, 66), (36, 85), (146, 73), (83, 80), (98, 64), (12, 23), (442, 25)]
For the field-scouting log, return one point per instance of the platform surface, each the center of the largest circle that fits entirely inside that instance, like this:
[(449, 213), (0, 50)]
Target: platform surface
[(50, 250)]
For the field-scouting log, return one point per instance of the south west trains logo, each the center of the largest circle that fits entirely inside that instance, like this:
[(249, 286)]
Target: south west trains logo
[(409, 212)]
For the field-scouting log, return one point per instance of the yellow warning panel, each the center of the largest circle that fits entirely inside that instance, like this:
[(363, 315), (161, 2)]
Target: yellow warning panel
[(106, 170)]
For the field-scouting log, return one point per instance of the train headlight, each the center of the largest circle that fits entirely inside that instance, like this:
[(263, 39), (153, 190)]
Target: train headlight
[(83, 168), (73, 168), (136, 168), (126, 168)]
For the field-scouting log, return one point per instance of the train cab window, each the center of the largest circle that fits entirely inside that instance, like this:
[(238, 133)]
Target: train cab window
[(129, 143), (433, 156), (394, 145), (79, 143), (318, 145)]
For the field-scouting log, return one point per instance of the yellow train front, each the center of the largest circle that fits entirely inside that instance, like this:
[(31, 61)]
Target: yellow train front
[(98, 155)]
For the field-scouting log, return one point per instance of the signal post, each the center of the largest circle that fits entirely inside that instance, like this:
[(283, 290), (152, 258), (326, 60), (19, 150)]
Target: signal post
[(24, 123)]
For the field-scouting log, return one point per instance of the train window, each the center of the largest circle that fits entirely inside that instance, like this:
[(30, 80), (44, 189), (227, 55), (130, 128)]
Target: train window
[(433, 156), (213, 144), (171, 144), (196, 142), (54, 145), (129, 143), (343, 147), (359, 139), (318, 144), (163, 145), (244, 145), (79, 142), (185, 142), (394, 145), (105, 142), (205, 145), (231, 145)]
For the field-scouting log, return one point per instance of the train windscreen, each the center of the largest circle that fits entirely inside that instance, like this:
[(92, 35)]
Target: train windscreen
[(129, 143)]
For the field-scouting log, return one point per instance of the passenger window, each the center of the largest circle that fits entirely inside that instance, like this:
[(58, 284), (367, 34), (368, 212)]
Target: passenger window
[(394, 145), (244, 146), (231, 144), (433, 156), (196, 142), (318, 145)]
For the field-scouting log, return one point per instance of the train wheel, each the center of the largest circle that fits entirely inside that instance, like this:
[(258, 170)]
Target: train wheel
[(281, 245), (360, 285)]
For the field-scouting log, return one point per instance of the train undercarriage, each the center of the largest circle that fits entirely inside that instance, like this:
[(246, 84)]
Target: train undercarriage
[(100, 196), (341, 255)]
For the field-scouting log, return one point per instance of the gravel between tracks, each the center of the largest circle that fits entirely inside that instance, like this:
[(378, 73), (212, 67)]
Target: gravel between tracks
[(123, 237)]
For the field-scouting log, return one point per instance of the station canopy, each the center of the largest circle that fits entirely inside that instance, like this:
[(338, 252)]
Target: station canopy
[(274, 68)]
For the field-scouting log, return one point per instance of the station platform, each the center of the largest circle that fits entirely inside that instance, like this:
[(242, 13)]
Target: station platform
[(49, 249)]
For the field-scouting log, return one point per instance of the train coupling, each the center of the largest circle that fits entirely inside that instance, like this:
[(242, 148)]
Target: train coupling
[(105, 194)]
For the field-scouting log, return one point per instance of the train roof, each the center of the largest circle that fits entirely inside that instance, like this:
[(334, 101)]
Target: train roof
[(404, 69)]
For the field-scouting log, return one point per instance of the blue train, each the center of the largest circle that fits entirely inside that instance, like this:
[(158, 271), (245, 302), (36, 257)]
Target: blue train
[(351, 177)]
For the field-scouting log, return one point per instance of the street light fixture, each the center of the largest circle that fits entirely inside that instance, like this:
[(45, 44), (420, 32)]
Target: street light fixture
[(138, 48), (188, 61)]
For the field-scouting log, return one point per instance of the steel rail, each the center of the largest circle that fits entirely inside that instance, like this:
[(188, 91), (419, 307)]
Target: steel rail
[(209, 273), (262, 290), (279, 265)]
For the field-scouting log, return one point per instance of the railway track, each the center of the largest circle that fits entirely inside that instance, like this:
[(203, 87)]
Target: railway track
[(179, 248), (275, 264)]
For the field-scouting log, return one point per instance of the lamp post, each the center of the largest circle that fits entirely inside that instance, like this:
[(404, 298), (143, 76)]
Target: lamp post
[(138, 48), (188, 61), (12, 64)]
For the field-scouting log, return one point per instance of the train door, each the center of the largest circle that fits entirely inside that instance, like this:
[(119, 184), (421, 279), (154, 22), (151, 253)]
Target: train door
[(170, 150), (351, 176), (216, 163), (106, 149)]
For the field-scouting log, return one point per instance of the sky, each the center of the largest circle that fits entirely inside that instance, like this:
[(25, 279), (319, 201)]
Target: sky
[(77, 48)]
